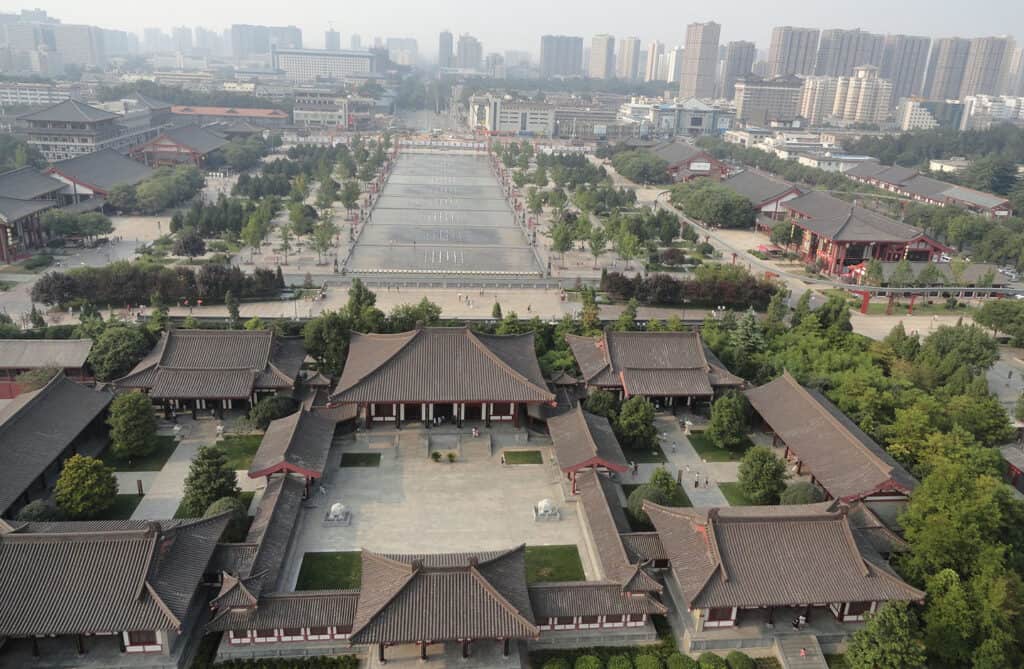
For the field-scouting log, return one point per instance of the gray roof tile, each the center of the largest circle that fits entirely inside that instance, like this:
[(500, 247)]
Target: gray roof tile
[(103, 170), (27, 183), (588, 598), (33, 353), (297, 443), (583, 439)]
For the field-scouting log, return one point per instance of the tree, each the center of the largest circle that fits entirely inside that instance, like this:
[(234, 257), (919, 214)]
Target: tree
[(627, 319), (496, 311), (285, 232), (189, 243), (641, 166), (782, 234), (323, 238), (132, 426), (39, 511), (949, 621), (737, 660), (253, 234), (729, 422), (627, 246), (34, 379), (271, 408), (237, 526), (802, 492), (349, 195), (116, 351), (405, 317), (762, 475), (602, 403), (645, 493), (231, 302), (902, 275), (209, 478), (86, 487), (874, 274), (891, 639), (634, 425), (326, 339)]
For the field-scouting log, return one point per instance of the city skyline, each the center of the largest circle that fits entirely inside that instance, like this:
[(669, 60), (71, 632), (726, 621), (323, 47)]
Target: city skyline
[(988, 18)]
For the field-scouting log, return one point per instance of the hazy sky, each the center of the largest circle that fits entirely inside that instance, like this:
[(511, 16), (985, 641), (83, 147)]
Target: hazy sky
[(519, 24)]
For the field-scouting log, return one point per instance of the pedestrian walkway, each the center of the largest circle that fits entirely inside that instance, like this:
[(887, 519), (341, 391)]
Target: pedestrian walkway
[(685, 464), (168, 486)]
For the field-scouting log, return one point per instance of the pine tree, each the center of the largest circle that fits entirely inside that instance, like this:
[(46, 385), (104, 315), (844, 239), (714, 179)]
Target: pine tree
[(208, 480)]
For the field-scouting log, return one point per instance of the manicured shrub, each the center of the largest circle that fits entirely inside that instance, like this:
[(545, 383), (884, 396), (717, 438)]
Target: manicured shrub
[(620, 662), (235, 531), (39, 511), (647, 661), (556, 663), (711, 661), (587, 662), (738, 660), (679, 661)]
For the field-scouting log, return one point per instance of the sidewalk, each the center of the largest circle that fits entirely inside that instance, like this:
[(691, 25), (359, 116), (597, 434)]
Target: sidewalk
[(688, 462)]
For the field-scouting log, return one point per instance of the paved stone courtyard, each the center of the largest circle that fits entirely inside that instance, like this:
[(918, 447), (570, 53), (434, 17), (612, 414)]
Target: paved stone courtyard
[(442, 213), (411, 504)]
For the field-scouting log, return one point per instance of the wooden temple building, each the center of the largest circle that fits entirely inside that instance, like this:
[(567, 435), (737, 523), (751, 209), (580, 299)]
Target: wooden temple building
[(214, 370), (669, 368), (583, 440), (17, 356), (441, 374)]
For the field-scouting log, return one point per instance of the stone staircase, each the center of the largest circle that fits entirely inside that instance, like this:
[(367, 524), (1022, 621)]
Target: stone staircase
[(412, 445), (476, 448), (788, 647), (445, 443)]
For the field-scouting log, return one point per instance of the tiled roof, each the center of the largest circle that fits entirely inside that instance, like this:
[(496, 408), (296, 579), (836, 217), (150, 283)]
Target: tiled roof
[(838, 220), (69, 111), (297, 443), (677, 152), (646, 363), (102, 170), (31, 435), (193, 137), (771, 556), (233, 558), (643, 546), (441, 364), (239, 112), (840, 456), (407, 598), (310, 608), (757, 188), (974, 197), (588, 598), (216, 364), (32, 353), (27, 183), (272, 528), (96, 580), (911, 181), (583, 439), (12, 210), (611, 554)]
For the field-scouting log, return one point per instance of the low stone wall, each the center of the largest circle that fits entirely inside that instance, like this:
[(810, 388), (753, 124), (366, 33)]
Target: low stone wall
[(615, 636)]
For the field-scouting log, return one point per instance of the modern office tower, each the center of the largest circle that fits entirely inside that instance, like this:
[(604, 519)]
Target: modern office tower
[(469, 52), (602, 57), (317, 64), (285, 37), (627, 66), (208, 43), (792, 51), (739, 61), (248, 40), (181, 37), (561, 56), (862, 98), (78, 44), (988, 63), (661, 71), (445, 49), (700, 61), (332, 40), (818, 98), (675, 65), (946, 67), (839, 51), (1015, 82), (904, 61), (761, 101), (655, 54), (356, 43)]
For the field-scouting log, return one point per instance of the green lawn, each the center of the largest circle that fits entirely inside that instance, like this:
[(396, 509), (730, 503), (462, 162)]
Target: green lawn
[(552, 563), (330, 571), (711, 453), (239, 449), (523, 458), (734, 494), (360, 459), (154, 462), (122, 509)]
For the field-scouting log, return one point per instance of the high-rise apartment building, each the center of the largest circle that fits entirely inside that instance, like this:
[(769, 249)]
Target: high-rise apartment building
[(675, 65), (332, 40), (356, 43), (79, 44), (655, 54), (285, 37), (917, 114), (904, 61), (248, 41), (840, 51), (181, 36), (862, 98), (739, 61), (988, 64), (818, 98), (602, 57), (208, 43), (402, 50), (445, 49), (762, 101), (946, 67), (700, 61), (792, 51), (469, 53), (561, 56), (1015, 82), (628, 65)]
